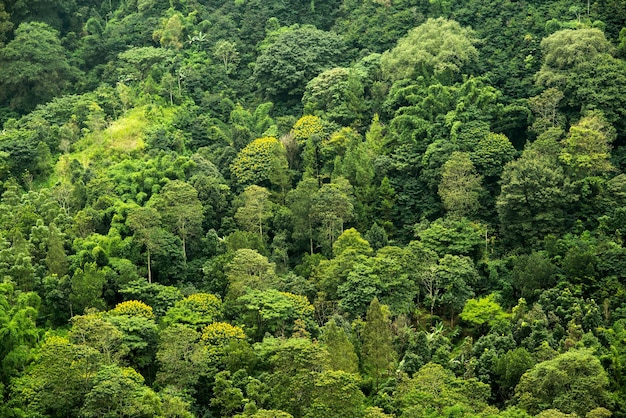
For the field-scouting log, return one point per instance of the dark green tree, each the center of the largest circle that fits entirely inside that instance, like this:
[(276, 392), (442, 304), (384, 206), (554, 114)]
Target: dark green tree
[(35, 67)]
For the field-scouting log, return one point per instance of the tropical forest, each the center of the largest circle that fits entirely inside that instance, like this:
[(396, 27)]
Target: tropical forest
[(312, 208)]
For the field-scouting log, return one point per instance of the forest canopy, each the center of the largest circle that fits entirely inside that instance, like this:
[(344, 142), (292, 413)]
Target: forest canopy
[(338, 208)]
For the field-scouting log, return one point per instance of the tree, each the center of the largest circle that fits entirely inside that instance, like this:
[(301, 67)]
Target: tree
[(351, 239), (262, 162), (567, 48), (483, 311), (87, 287), (580, 63), (196, 311), (336, 341), (227, 53), (449, 283), (545, 106), (572, 382), (278, 313), (377, 353), (331, 207), (255, 211), (294, 58), (182, 360), (170, 33), (58, 380), (18, 331), (248, 269), (300, 200), (587, 147), (180, 210), (119, 392), (336, 93), (35, 67), (438, 48), (295, 363), (434, 388), (146, 223), (336, 394), (460, 186), (93, 331), (491, 153), (534, 196), (56, 258)]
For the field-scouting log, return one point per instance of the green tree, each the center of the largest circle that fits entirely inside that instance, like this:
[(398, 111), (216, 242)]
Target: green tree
[(567, 48), (87, 287), (180, 210), (146, 223), (448, 284), (255, 211), (57, 382), (331, 207), (295, 363), (587, 147), (535, 193), (434, 389), (196, 311), (573, 382), (460, 186), (278, 313), (336, 394), (56, 257), (294, 58), (93, 331), (119, 392), (18, 331), (438, 48), (249, 269), (581, 64), (182, 360), (378, 356), (483, 311), (227, 53), (262, 162), (299, 200), (35, 67), (336, 341), (337, 94)]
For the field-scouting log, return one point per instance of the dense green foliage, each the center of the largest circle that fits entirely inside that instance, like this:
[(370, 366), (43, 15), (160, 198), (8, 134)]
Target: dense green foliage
[(331, 208)]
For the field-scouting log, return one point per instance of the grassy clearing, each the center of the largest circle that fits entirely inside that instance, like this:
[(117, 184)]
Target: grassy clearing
[(122, 139)]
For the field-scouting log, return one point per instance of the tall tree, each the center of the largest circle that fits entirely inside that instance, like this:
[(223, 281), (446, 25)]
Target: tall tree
[(337, 342), (377, 353), (255, 211), (180, 210), (460, 186), (146, 223), (331, 207)]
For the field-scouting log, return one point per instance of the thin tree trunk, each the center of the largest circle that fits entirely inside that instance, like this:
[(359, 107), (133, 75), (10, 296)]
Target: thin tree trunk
[(149, 269)]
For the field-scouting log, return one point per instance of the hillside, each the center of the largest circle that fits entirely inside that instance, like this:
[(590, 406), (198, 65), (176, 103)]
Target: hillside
[(338, 208)]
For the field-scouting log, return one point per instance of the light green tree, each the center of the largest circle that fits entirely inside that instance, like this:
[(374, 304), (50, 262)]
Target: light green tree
[(460, 186), (438, 48), (255, 211)]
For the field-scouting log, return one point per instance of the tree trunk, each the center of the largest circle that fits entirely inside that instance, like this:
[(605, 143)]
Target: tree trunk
[(149, 268)]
